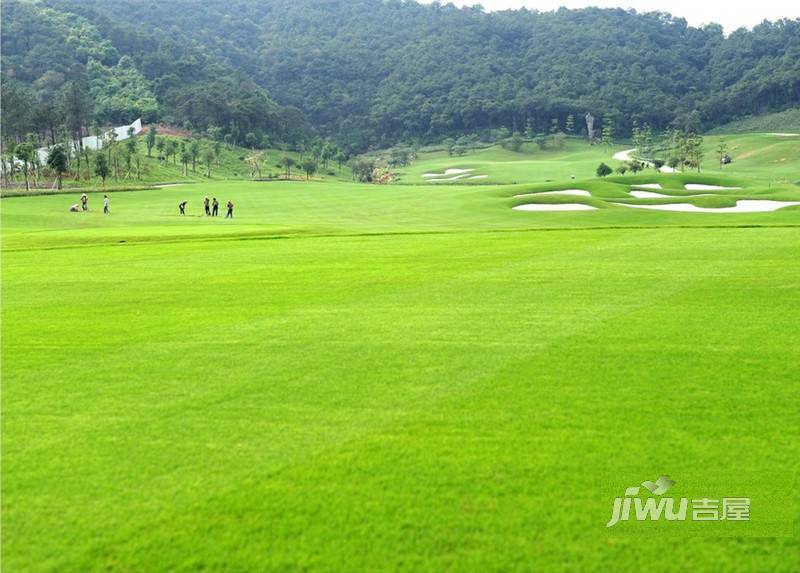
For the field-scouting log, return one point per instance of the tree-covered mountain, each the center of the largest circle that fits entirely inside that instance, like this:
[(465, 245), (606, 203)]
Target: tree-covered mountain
[(374, 72)]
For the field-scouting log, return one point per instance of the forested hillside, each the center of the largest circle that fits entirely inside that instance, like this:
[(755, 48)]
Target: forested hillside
[(375, 72)]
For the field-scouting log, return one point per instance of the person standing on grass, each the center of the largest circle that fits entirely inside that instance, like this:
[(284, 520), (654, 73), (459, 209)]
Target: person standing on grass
[(105, 205), (214, 207), (85, 202), (182, 207), (229, 214), (206, 206)]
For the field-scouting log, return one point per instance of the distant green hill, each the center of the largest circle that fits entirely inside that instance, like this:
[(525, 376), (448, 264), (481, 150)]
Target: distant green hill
[(784, 121), (371, 73)]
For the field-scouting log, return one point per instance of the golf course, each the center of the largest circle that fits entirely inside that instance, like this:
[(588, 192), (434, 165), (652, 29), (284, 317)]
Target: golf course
[(399, 286), (407, 377)]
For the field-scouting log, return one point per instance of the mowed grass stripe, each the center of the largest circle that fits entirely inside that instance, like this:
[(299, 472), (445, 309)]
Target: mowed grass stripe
[(500, 367)]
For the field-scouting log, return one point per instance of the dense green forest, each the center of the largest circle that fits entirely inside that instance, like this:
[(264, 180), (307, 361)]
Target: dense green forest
[(371, 73)]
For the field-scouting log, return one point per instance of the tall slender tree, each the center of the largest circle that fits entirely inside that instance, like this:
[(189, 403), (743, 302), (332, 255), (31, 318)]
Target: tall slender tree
[(101, 167), (208, 156), (608, 131), (194, 152), (288, 163), (722, 152), (151, 139), (310, 167), (24, 152), (57, 162)]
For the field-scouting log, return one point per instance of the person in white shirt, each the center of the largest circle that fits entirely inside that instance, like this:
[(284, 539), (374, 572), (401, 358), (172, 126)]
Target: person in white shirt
[(105, 205)]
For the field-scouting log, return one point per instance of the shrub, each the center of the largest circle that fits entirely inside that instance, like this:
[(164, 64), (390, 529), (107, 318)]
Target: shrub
[(603, 170)]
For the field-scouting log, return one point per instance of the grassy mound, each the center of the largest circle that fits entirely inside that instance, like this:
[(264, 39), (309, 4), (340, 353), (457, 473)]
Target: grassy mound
[(781, 122), (232, 165), (499, 165)]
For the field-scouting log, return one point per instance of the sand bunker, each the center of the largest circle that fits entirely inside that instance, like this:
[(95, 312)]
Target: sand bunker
[(649, 195), (457, 177), (555, 207), (743, 206), (785, 134), (701, 187), (479, 177), (653, 195), (648, 186), (574, 192), (447, 172)]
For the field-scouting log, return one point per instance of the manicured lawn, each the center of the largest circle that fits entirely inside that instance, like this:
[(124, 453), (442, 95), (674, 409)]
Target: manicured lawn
[(500, 165), (770, 158), (773, 158), (401, 378)]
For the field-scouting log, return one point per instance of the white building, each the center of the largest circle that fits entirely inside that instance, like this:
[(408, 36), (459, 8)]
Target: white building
[(93, 142)]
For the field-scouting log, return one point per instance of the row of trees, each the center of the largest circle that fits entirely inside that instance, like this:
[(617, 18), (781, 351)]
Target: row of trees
[(23, 158), (122, 160), (554, 138), (63, 160), (117, 159), (187, 150), (677, 149)]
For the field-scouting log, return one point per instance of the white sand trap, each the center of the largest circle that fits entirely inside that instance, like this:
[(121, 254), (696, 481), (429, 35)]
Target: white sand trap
[(785, 134), (574, 192), (555, 207), (743, 206), (649, 195), (701, 187), (648, 186), (462, 176), (653, 195), (479, 177), (447, 172)]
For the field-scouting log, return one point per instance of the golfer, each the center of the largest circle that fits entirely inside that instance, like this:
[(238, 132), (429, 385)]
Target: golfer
[(85, 202), (206, 206), (105, 205), (214, 207), (182, 207), (229, 214)]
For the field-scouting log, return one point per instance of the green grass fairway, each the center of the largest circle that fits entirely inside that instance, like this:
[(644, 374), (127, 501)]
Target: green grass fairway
[(354, 378), (504, 166), (768, 156), (772, 158), (780, 122)]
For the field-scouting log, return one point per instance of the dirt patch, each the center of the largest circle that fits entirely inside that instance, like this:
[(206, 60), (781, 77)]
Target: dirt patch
[(172, 130)]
